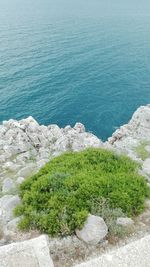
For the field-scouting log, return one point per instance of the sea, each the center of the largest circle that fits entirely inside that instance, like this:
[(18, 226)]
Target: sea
[(68, 61)]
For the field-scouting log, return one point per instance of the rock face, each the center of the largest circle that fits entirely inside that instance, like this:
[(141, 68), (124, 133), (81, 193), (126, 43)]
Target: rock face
[(25, 146), (94, 230), (7, 185), (11, 227), (7, 204), (138, 128), (34, 252), (133, 139)]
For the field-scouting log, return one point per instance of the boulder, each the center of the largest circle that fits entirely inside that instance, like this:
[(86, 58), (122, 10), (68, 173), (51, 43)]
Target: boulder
[(30, 253), (79, 127), (27, 171), (20, 180), (7, 204), (129, 136), (125, 222), (94, 230), (8, 184), (11, 166), (11, 227), (41, 163)]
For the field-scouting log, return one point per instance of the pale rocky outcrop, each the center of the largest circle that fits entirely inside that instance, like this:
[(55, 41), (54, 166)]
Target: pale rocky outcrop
[(19, 180), (136, 134), (8, 184), (7, 204), (94, 230), (138, 129), (11, 228), (25, 146)]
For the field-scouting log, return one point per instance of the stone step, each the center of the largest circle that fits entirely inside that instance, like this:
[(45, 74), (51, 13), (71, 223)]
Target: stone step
[(30, 253), (135, 254)]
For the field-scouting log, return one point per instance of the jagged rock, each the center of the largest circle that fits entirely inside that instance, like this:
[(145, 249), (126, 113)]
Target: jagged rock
[(11, 166), (11, 227), (31, 253), (125, 222), (20, 180), (27, 171), (94, 230), (8, 184), (2, 159), (7, 204), (25, 146), (129, 136), (67, 129), (79, 127), (41, 163)]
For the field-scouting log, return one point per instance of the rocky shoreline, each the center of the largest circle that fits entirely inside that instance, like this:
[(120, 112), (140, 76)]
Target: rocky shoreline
[(25, 146)]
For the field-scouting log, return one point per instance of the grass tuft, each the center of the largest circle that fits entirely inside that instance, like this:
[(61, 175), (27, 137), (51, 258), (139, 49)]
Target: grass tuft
[(141, 150)]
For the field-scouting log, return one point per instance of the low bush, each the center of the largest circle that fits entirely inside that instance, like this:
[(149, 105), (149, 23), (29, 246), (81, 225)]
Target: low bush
[(59, 197)]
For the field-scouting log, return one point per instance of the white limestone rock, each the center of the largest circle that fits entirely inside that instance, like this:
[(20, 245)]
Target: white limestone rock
[(11, 227), (8, 184), (41, 163), (7, 205), (27, 171), (94, 230), (79, 127), (11, 166), (30, 253), (25, 146), (20, 180), (129, 136)]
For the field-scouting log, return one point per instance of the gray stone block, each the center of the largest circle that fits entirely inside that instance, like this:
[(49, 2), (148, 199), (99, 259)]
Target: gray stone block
[(30, 253)]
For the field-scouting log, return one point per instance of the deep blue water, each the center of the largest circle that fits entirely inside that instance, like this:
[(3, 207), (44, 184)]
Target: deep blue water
[(64, 61)]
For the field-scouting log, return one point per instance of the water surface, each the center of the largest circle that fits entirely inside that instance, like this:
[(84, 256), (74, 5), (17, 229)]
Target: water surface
[(64, 61)]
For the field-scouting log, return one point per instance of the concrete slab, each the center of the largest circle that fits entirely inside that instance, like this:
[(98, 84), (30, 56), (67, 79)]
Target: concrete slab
[(30, 253), (135, 254)]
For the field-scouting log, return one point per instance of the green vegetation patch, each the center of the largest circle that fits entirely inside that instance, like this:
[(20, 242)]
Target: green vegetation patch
[(141, 150), (59, 197)]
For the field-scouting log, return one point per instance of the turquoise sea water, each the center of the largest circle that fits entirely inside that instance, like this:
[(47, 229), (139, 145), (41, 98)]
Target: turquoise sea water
[(64, 61)]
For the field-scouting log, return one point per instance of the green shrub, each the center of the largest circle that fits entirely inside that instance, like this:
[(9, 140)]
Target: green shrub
[(59, 197)]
